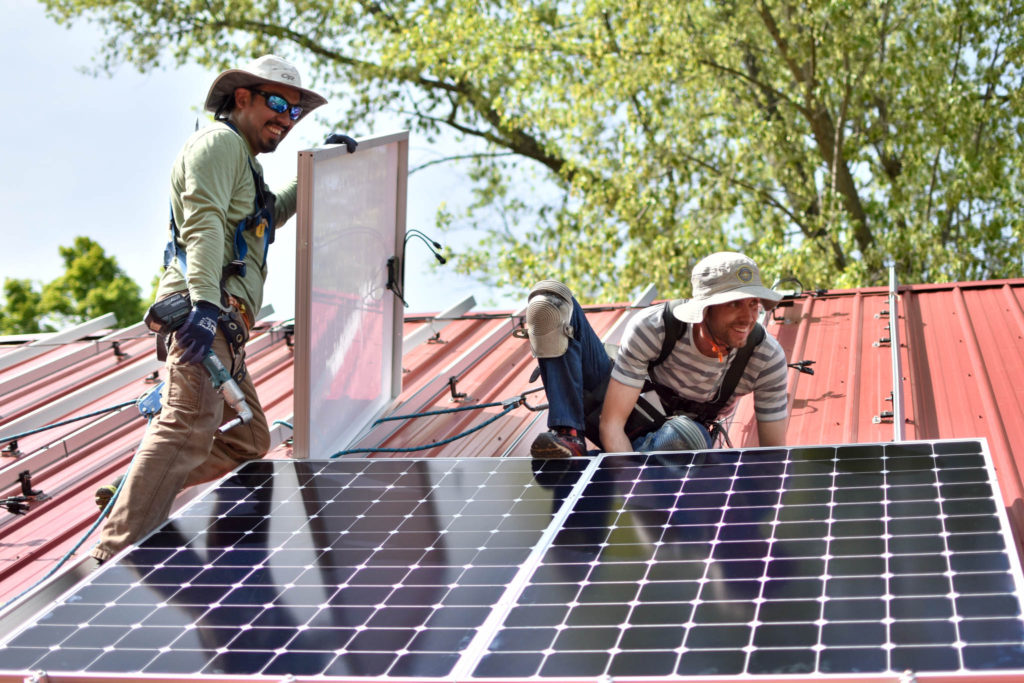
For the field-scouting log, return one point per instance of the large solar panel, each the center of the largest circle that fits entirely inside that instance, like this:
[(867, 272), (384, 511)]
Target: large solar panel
[(824, 560)]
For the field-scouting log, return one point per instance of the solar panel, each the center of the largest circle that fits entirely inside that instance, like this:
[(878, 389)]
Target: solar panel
[(807, 560)]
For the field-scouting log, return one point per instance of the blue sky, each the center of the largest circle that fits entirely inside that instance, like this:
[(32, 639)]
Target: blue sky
[(86, 155)]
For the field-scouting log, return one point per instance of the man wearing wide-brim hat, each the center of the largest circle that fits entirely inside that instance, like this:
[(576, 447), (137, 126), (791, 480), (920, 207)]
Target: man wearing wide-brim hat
[(684, 351), (222, 223)]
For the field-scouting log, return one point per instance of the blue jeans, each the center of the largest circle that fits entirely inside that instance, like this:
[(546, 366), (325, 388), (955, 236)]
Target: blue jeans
[(585, 367)]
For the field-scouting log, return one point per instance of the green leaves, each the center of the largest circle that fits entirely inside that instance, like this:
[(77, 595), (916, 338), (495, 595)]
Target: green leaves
[(92, 285), (823, 139)]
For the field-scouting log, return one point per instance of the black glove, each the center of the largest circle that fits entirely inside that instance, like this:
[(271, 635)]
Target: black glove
[(339, 139), (196, 335)]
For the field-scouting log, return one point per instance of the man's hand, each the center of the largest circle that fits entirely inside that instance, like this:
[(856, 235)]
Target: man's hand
[(196, 335), (339, 139)]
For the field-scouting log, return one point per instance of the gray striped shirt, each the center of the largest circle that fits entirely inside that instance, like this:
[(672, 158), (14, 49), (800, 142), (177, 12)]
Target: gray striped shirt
[(695, 376)]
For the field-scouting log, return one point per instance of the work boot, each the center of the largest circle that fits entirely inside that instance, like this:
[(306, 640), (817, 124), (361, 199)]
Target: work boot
[(105, 493), (561, 443)]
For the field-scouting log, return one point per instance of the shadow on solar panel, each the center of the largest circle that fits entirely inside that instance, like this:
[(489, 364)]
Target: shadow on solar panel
[(821, 560)]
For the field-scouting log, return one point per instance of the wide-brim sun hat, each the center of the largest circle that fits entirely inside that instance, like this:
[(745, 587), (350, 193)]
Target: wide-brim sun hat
[(720, 278), (265, 69)]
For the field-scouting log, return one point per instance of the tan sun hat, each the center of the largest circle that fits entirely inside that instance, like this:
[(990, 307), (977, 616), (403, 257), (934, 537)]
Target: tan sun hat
[(720, 278), (265, 69)]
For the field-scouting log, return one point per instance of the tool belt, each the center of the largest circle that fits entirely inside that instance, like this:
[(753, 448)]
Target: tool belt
[(168, 314)]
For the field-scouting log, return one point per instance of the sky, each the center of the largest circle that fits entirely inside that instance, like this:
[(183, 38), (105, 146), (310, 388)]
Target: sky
[(85, 155)]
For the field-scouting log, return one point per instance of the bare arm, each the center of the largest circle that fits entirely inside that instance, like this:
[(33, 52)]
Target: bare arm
[(772, 433), (618, 403)]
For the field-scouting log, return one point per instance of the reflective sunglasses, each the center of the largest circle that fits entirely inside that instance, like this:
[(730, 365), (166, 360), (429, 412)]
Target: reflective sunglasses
[(278, 104)]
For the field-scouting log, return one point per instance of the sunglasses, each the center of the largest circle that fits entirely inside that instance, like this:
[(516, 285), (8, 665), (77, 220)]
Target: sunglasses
[(278, 104)]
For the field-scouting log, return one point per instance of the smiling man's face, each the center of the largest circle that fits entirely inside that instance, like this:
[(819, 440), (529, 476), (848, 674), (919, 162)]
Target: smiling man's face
[(263, 128), (731, 323)]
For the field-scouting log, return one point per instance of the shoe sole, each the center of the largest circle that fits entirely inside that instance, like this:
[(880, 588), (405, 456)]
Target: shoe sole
[(547, 448), (105, 493), (103, 496)]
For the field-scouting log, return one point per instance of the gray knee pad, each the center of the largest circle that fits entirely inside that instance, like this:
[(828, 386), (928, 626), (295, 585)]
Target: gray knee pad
[(547, 319), (679, 433)]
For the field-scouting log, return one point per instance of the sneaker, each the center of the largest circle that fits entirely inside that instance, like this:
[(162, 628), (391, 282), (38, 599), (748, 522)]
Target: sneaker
[(105, 493), (560, 444)]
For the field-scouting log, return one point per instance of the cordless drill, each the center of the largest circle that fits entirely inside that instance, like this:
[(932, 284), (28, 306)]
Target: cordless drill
[(166, 316)]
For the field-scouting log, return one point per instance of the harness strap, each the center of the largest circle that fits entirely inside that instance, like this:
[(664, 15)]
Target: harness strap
[(707, 412), (261, 221)]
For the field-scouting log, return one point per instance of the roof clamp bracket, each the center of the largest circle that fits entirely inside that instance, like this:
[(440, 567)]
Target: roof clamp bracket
[(803, 366), (153, 377), (885, 415), (882, 341), (908, 676), (25, 479), (11, 450), (38, 677), (436, 338), (116, 347), (457, 396)]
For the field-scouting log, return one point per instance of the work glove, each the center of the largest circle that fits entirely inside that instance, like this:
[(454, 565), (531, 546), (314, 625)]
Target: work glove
[(339, 139), (196, 335)]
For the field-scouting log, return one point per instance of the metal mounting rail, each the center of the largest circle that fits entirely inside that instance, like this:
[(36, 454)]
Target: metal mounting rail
[(898, 421)]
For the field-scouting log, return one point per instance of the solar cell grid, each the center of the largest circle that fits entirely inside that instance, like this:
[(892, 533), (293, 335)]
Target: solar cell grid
[(823, 560), (876, 558)]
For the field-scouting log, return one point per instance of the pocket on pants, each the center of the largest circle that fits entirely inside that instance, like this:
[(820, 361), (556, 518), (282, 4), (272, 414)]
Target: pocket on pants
[(184, 385)]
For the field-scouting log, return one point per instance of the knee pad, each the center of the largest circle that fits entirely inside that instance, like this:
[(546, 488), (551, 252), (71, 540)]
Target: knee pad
[(679, 433), (547, 319)]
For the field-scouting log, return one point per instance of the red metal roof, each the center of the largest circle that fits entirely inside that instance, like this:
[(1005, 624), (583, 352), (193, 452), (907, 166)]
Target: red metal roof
[(959, 348)]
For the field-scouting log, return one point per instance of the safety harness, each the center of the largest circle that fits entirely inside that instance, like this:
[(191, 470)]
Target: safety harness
[(260, 221), (645, 418), (233, 324), (702, 412)]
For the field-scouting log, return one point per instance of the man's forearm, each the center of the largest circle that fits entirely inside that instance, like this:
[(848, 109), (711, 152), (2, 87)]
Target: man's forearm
[(615, 440)]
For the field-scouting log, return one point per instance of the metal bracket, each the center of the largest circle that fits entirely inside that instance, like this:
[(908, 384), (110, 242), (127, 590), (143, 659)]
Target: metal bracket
[(803, 366), (885, 414), (436, 339), (25, 479), (456, 395), (118, 353), (11, 450), (152, 378), (520, 331)]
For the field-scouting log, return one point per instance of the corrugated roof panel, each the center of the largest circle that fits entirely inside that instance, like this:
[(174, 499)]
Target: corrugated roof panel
[(960, 349)]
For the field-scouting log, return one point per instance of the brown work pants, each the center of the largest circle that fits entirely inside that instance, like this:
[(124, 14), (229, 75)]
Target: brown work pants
[(182, 447)]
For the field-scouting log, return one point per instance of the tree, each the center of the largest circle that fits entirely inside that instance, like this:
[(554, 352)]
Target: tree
[(613, 144), (21, 313), (92, 285)]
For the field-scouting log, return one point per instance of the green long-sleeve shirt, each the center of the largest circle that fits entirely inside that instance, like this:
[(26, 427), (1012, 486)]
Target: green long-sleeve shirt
[(211, 191)]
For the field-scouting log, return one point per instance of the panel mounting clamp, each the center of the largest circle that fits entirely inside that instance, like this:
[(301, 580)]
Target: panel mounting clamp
[(452, 387)]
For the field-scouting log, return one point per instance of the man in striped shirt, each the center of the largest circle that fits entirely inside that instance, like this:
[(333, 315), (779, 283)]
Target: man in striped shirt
[(581, 380)]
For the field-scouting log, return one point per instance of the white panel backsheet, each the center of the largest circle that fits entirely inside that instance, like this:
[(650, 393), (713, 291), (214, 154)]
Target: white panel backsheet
[(354, 211)]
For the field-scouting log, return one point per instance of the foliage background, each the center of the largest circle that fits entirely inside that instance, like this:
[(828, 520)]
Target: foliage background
[(92, 284), (614, 144)]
